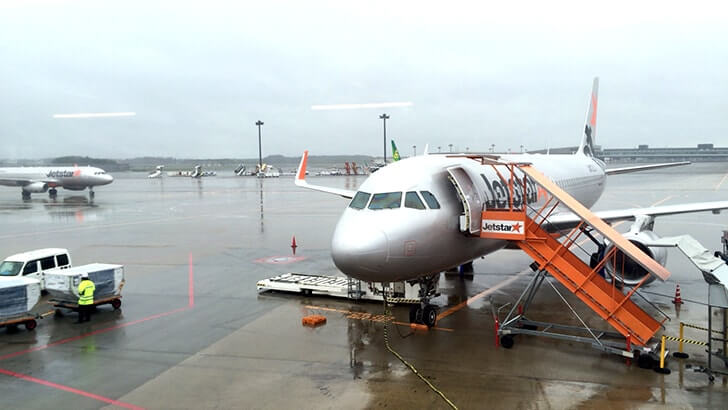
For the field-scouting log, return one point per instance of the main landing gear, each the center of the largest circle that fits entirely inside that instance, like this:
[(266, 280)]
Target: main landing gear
[(425, 313), (26, 195), (52, 193)]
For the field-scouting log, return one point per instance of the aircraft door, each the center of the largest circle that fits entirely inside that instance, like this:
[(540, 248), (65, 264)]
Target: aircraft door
[(470, 198)]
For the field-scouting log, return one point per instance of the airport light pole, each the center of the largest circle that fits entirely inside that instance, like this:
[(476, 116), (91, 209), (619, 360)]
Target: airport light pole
[(384, 117), (414, 150), (259, 123), (439, 148), (450, 145)]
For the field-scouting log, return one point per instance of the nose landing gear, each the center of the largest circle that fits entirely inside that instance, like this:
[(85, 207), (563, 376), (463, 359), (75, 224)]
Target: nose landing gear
[(426, 313)]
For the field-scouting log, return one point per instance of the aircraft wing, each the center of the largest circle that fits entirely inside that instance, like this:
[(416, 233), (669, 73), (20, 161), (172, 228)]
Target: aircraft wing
[(301, 181), (567, 220), (636, 168), (9, 181)]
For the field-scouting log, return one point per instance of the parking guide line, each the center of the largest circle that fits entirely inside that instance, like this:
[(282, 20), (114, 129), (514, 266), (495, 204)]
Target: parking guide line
[(191, 285), (190, 305), (717, 187), (368, 316), (482, 294), (70, 390), (95, 332)]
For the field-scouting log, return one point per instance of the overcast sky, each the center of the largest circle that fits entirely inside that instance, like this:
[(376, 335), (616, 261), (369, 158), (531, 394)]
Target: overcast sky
[(199, 75)]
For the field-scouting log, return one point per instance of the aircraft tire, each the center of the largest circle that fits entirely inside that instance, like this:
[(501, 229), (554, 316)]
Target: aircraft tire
[(26, 195), (52, 192), (429, 316)]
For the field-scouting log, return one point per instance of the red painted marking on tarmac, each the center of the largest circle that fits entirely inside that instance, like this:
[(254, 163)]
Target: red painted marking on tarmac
[(95, 332), (70, 390), (191, 285)]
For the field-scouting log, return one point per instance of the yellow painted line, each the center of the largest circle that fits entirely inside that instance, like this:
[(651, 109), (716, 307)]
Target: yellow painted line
[(482, 294), (368, 316), (721, 181)]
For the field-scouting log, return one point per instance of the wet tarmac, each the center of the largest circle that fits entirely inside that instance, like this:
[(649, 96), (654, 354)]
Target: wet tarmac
[(194, 333)]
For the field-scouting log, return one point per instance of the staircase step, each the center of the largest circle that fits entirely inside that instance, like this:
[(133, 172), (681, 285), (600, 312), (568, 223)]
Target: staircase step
[(601, 296)]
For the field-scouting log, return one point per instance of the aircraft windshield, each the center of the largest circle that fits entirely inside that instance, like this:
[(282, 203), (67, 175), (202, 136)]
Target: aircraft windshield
[(10, 268), (430, 199), (390, 200), (412, 200), (360, 200)]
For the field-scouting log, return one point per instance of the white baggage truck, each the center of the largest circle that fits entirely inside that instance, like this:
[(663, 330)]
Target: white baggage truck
[(34, 264)]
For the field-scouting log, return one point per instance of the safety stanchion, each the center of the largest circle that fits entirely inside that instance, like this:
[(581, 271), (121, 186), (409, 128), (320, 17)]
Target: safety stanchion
[(680, 354), (662, 369)]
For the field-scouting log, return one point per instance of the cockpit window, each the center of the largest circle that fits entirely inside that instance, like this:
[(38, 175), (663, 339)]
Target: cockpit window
[(390, 200), (360, 200), (430, 199), (412, 200)]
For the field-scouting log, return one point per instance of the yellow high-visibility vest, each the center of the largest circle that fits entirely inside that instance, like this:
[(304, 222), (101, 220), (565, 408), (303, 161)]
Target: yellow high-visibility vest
[(86, 292)]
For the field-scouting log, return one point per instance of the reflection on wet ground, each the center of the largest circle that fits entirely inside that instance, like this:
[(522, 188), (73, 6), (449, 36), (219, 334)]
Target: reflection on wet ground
[(198, 335)]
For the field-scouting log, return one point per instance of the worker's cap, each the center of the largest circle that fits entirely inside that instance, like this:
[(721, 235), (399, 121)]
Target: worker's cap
[(84, 276)]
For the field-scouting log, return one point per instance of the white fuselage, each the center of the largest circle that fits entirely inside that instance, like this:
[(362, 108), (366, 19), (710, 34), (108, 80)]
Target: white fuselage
[(402, 243), (42, 178)]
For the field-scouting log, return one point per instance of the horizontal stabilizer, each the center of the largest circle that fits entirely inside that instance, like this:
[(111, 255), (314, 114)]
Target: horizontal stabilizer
[(637, 168)]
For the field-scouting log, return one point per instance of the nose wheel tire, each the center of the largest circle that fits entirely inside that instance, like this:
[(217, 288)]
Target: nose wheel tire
[(425, 316), (429, 316)]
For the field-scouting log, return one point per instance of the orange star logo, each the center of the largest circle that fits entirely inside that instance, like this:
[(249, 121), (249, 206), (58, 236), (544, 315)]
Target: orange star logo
[(517, 227)]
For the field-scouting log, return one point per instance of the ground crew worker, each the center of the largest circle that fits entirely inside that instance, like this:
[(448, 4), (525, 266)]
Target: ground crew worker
[(85, 298)]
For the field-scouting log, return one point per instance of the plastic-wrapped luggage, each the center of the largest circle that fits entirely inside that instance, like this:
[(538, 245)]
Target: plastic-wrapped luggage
[(62, 284), (18, 296)]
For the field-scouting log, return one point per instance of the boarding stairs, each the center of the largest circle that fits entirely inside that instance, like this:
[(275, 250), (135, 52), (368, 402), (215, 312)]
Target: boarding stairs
[(529, 230)]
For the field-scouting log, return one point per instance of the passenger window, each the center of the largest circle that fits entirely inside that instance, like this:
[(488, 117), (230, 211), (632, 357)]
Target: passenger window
[(412, 200), (48, 263), (389, 200), (430, 199), (360, 200), (30, 267), (62, 259)]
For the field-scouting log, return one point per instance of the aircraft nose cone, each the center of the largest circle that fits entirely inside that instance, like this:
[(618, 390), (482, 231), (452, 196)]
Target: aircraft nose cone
[(359, 251), (108, 179)]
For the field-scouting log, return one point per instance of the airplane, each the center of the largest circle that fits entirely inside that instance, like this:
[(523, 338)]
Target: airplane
[(395, 152), (403, 224), (36, 180)]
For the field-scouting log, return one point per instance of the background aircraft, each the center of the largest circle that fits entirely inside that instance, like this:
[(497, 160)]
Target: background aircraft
[(35, 180), (406, 220)]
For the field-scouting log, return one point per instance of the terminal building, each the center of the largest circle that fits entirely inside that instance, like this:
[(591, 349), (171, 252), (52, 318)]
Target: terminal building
[(643, 153)]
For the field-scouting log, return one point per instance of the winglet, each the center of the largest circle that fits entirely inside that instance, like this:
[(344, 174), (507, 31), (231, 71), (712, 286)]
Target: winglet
[(301, 181), (301, 174)]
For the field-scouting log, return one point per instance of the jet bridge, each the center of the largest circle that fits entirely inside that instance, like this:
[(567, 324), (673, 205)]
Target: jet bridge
[(528, 229)]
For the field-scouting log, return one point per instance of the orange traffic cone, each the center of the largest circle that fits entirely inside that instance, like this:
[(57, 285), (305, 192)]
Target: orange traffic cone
[(678, 299)]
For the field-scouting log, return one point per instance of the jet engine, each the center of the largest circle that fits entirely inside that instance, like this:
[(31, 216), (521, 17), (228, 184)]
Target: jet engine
[(627, 271), (36, 187)]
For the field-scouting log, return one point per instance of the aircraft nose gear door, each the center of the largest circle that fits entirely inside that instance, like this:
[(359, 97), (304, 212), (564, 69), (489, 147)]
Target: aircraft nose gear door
[(470, 198)]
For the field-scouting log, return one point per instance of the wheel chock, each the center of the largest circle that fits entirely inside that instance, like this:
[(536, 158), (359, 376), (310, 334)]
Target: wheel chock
[(313, 320)]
